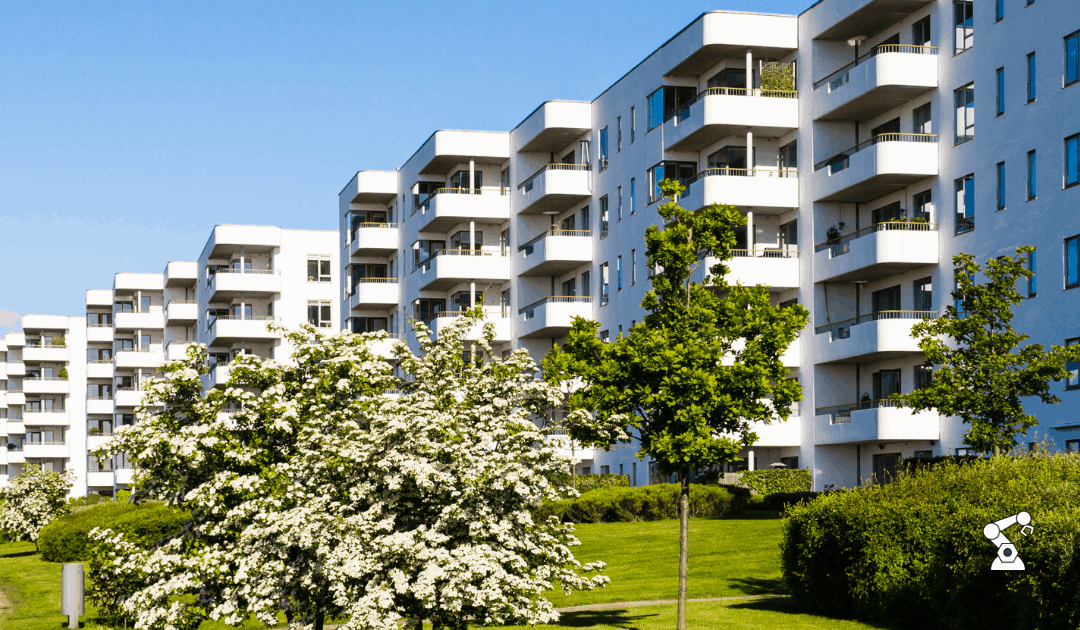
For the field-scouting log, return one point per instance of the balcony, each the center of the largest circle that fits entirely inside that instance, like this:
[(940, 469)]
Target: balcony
[(880, 250), (15, 398), (130, 282), (106, 478), (777, 433), (45, 418), (99, 368), (16, 456), (448, 267), (552, 126), (43, 385), (227, 329), (860, 17), (720, 112), (129, 396), (873, 337), (177, 349), (15, 426), (553, 315), (218, 376), (145, 320), (447, 207), (445, 318), (139, 358), (181, 273), (3, 459), (554, 188), (373, 239), (15, 369), (35, 351), (884, 164), (374, 293), (791, 358), (874, 421), (226, 283), (883, 79), (447, 148), (99, 332), (182, 312), (767, 191), (377, 187), (99, 405), (777, 269), (555, 252)]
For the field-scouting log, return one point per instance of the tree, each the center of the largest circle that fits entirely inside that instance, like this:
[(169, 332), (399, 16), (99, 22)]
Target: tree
[(32, 500), (704, 364), (322, 496), (980, 372)]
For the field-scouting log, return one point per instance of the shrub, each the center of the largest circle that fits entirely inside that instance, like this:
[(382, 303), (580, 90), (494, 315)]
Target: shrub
[(646, 503), (65, 539), (62, 374), (771, 481), (588, 483), (914, 550)]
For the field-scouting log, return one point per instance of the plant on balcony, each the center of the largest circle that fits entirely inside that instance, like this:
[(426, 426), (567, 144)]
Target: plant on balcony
[(62, 374), (32, 499), (778, 77), (982, 368), (321, 497), (93, 431), (832, 233), (58, 342), (667, 381)]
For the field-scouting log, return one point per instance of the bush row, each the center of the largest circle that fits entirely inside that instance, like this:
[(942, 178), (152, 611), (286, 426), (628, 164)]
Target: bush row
[(65, 539), (914, 550), (770, 481), (588, 483), (779, 500), (645, 503)]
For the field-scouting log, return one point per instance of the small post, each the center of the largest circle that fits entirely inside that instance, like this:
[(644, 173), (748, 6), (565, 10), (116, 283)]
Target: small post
[(72, 593)]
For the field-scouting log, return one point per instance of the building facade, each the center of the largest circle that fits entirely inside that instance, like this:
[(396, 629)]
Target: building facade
[(857, 181)]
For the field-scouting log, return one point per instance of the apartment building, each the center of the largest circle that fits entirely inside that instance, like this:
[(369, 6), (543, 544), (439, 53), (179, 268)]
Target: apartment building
[(870, 161), (246, 277)]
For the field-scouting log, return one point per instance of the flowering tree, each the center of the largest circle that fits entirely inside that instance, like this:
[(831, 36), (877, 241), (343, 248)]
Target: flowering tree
[(33, 499), (321, 496)]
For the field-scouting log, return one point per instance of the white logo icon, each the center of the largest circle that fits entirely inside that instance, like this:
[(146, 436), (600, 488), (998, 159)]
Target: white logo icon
[(1007, 559)]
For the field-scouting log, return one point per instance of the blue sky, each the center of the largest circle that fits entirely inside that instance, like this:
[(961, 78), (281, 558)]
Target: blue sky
[(130, 129)]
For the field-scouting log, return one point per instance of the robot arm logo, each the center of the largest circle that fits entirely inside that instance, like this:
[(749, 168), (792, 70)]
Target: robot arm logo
[(1007, 559)]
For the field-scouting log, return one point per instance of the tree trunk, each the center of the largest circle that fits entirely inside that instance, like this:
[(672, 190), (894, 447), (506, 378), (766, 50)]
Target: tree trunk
[(684, 547), (319, 618)]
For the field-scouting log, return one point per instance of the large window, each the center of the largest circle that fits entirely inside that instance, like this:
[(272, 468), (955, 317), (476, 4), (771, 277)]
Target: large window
[(618, 134), (603, 216), (604, 284), (684, 172), (1072, 381), (921, 119), (789, 153), (924, 203), (319, 314), (1072, 160), (1072, 58), (1032, 184), (633, 186), (924, 376), (618, 273), (965, 204), (1031, 77), (1001, 185), (964, 23), (924, 295), (920, 32), (603, 149), (1000, 91), (665, 102), (318, 268), (633, 124), (1072, 262), (965, 113)]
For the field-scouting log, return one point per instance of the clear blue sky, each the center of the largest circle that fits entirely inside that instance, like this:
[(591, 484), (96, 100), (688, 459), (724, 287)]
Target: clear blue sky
[(129, 129)]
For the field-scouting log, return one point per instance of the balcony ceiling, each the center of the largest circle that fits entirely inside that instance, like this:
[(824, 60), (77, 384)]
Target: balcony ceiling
[(711, 54), (875, 271), (874, 188), (872, 17), (441, 164), (875, 102), (553, 139)]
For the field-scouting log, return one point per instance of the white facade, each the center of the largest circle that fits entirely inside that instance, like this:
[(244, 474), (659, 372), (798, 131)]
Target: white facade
[(852, 147)]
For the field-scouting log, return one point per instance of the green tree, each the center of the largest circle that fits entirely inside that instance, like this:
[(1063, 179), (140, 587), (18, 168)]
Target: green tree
[(704, 364), (981, 373)]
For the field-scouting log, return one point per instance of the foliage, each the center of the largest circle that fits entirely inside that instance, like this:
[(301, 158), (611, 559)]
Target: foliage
[(586, 483), (66, 538), (58, 341), (62, 374), (323, 497), (79, 503), (914, 463), (644, 503), (32, 499), (782, 500), (776, 76), (914, 549), (771, 481)]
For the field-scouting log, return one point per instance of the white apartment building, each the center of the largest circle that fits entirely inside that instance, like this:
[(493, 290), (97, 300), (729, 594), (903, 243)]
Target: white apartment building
[(246, 277), (869, 163)]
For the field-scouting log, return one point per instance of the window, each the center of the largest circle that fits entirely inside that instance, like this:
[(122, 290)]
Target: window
[(923, 204), (604, 284), (633, 125), (618, 134), (923, 454), (620, 203), (618, 272), (603, 149), (319, 314), (318, 269), (924, 376), (789, 155), (921, 119), (633, 267), (965, 204), (586, 220), (632, 191), (468, 179), (1001, 185), (603, 216), (1031, 77), (1000, 10), (964, 31), (605, 470), (367, 324), (885, 300), (1000, 91), (1072, 58), (605, 336), (1072, 446), (924, 295), (1072, 262), (682, 171), (1072, 381), (666, 101), (586, 283), (98, 320), (1032, 188), (965, 113), (1072, 160), (920, 32), (1032, 288)]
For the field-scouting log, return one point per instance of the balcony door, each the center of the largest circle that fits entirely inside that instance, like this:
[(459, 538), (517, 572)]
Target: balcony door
[(891, 212), (886, 383), (893, 126), (885, 465), (887, 299)]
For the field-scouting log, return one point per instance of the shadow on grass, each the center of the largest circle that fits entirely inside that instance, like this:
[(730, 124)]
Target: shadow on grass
[(789, 606), (760, 586), (21, 554), (752, 515), (616, 618)]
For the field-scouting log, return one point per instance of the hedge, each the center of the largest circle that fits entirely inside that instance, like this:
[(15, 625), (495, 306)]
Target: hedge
[(588, 483), (645, 503), (770, 481), (913, 550), (778, 501), (65, 539)]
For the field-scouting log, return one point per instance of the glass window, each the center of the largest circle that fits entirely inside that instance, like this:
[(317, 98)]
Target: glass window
[(656, 109), (964, 32), (1072, 160), (1031, 77), (920, 32), (1072, 262), (1072, 446), (618, 270), (620, 203), (1072, 381), (603, 149), (318, 269), (924, 295), (1032, 288), (603, 284), (319, 314), (633, 125), (922, 119), (1032, 188), (633, 267), (965, 204), (1001, 185), (618, 134), (684, 172), (923, 204), (924, 375), (789, 153), (633, 186), (586, 283), (1072, 58), (668, 101), (603, 216), (965, 113), (1000, 91), (1000, 10)]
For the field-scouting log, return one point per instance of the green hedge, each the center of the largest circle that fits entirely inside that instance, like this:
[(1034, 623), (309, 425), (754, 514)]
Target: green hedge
[(65, 539), (770, 481), (913, 550), (588, 483), (779, 500), (646, 503)]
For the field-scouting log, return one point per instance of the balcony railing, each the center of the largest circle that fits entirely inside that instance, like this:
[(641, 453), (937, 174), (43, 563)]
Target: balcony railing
[(457, 252), (529, 246), (109, 360), (36, 343), (743, 172), (530, 311), (171, 302), (842, 160), (43, 378), (109, 325), (764, 253), (841, 76), (257, 271), (683, 111), (29, 409), (257, 318), (133, 350), (99, 397), (842, 329), (527, 185), (352, 230), (430, 320), (426, 203), (842, 245), (841, 414)]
